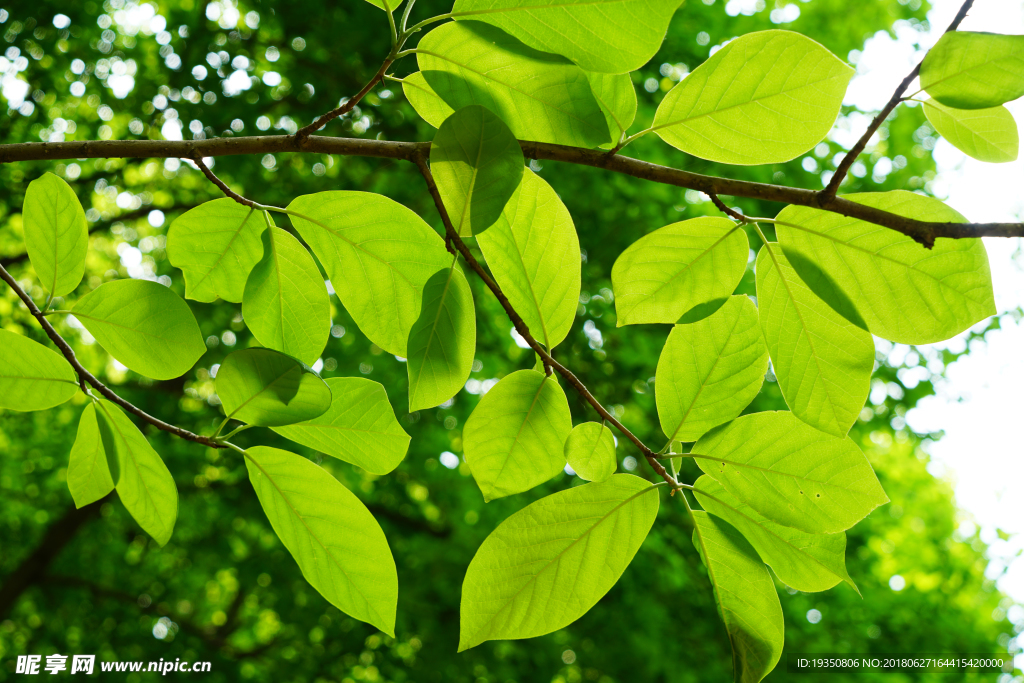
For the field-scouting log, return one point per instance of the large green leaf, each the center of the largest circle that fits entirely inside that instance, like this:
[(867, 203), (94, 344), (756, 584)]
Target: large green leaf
[(427, 103), (710, 370), (766, 97), (477, 163), (56, 235), (804, 562), (612, 36), (534, 255), (378, 255), (883, 280), (443, 340), (33, 377), (974, 70), (549, 563), (984, 134), (664, 274), (515, 436), (360, 427), (215, 245), (88, 472), (790, 472), (286, 305), (617, 97), (745, 595), (540, 96), (144, 325), (822, 362), (141, 478), (336, 542), (590, 451), (269, 389)]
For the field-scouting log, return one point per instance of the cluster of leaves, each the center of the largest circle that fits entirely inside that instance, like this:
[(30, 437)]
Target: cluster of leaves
[(779, 488)]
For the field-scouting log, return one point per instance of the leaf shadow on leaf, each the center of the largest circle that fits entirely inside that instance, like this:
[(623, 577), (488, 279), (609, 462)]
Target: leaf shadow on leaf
[(701, 311), (109, 445), (822, 284), (444, 82)]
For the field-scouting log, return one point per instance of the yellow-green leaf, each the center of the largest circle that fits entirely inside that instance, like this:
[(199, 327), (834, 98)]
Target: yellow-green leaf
[(984, 134)]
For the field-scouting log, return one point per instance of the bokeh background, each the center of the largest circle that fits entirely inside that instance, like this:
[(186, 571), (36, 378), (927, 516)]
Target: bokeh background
[(224, 589)]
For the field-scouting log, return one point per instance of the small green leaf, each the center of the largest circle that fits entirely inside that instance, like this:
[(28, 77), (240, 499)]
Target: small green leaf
[(710, 370), (822, 362), (515, 436), (617, 97), (378, 255), (142, 480), (266, 388), (443, 340), (883, 280), (804, 562), (33, 377), (664, 274), (590, 451), (56, 235), (386, 5), (215, 245), (745, 595), (336, 542), (790, 472), (540, 96), (143, 325), (477, 163), (548, 564), (984, 134), (88, 472), (611, 36), (534, 255), (427, 103), (360, 427), (286, 305), (766, 97), (969, 70)]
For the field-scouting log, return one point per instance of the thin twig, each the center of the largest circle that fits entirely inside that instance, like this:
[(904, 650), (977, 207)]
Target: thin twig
[(716, 200), (88, 377), (844, 166), (198, 161), (349, 104), (524, 331)]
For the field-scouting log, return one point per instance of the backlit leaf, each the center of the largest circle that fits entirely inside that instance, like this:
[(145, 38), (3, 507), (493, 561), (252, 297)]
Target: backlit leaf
[(386, 5), (33, 377), (56, 236), (617, 97), (984, 134), (970, 70), (266, 388), (88, 473), (590, 451), (427, 103)]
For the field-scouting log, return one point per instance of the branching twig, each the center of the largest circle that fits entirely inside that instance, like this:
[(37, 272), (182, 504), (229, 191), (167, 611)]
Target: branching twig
[(844, 166), (524, 331)]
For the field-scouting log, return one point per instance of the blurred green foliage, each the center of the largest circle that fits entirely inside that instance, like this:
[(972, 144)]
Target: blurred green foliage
[(224, 589)]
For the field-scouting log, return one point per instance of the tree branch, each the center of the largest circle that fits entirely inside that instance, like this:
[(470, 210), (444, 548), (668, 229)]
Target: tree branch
[(524, 331), (844, 166), (89, 378), (348, 105)]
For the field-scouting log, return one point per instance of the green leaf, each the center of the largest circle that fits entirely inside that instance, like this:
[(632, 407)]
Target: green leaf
[(88, 472), (443, 340), (359, 427), (984, 134), (33, 377), (286, 305), (56, 235), (710, 370), (590, 451), (745, 595), (427, 103), (612, 36), (822, 362), (790, 472), (766, 97), (540, 96), (969, 70), (804, 562), (664, 274), (386, 5), (883, 280), (515, 436), (477, 163), (143, 325), (548, 564), (378, 255), (215, 245), (534, 255), (141, 478), (617, 97), (266, 388), (336, 542)]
